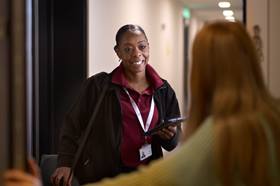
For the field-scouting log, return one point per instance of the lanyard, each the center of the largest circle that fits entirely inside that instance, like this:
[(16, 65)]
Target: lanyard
[(138, 114)]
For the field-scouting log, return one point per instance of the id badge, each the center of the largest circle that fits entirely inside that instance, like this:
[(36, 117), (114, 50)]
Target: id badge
[(145, 151)]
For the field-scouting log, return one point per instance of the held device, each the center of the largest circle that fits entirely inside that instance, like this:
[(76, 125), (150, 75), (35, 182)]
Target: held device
[(169, 122)]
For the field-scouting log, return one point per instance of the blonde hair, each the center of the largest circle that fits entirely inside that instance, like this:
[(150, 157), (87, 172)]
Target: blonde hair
[(226, 83)]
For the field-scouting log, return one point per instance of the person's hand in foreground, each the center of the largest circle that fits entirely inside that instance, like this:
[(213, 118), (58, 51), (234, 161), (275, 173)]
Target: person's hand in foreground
[(20, 178)]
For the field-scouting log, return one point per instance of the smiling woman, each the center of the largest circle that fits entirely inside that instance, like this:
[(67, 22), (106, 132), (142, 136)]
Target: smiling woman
[(136, 100)]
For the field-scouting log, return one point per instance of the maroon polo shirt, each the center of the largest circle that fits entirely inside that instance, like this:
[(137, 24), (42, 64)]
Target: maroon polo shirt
[(132, 132)]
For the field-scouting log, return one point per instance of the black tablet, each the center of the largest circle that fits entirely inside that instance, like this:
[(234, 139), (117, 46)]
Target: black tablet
[(172, 121)]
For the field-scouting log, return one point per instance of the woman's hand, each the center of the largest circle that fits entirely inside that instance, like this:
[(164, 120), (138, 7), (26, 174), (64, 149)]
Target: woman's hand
[(21, 178), (61, 174), (167, 133)]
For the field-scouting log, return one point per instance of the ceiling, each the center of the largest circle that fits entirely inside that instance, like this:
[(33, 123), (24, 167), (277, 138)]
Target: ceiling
[(209, 10)]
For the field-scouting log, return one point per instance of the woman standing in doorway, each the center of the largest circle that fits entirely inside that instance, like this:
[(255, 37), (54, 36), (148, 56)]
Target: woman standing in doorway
[(136, 100)]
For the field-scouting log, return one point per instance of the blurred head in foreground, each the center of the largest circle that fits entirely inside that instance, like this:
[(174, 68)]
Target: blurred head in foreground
[(227, 84)]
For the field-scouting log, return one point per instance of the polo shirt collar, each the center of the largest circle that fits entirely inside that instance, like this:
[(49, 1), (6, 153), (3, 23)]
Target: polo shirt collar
[(119, 78)]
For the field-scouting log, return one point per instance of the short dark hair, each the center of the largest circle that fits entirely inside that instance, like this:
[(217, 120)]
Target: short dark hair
[(128, 28)]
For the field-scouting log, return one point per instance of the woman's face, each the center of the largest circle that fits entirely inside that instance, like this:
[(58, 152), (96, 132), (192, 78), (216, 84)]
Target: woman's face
[(133, 50)]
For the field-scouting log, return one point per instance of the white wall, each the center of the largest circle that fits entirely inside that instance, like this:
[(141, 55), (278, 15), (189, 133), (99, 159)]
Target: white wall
[(254, 17), (266, 14), (163, 24), (274, 43)]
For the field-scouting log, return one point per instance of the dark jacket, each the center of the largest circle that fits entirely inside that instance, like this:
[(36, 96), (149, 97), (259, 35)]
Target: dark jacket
[(101, 155)]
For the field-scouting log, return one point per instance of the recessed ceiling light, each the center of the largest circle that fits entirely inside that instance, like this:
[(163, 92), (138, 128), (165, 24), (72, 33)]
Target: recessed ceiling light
[(224, 4), (230, 18), (228, 13)]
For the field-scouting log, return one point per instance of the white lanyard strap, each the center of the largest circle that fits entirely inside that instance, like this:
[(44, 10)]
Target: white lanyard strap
[(138, 114)]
